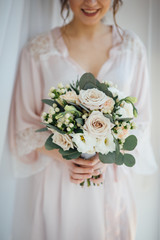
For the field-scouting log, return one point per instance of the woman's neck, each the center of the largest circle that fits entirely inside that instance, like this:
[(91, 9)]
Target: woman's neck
[(80, 30)]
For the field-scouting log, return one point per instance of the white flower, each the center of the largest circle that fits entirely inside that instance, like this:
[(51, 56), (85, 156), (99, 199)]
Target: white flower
[(84, 142), (92, 98), (116, 92), (126, 111), (70, 96), (60, 85), (52, 95), (105, 145), (52, 89), (97, 125), (63, 140), (57, 109), (49, 120)]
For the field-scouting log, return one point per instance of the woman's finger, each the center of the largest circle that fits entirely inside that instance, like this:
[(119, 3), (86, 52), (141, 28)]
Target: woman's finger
[(85, 162), (76, 181), (80, 176), (83, 170)]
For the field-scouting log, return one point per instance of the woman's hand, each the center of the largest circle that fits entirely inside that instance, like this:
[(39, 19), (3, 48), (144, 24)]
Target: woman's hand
[(81, 169)]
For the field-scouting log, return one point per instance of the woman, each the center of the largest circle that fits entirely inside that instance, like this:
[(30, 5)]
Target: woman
[(62, 209)]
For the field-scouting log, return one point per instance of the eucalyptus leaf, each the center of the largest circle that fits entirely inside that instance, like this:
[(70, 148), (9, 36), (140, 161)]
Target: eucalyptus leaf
[(108, 158), (130, 143), (128, 160), (79, 120), (103, 87), (49, 145), (82, 106), (109, 116), (70, 154), (124, 119), (55, 128), (117, 148), (87, 78), (119, 159), (50, 103), (42, 130), (75, 105)]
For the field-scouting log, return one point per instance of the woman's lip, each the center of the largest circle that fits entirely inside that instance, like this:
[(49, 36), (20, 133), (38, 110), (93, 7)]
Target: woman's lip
[(92, 12)]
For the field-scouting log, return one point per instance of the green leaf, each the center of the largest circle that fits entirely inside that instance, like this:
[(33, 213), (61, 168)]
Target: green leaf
[(109, 116), (70, 154), (117, 148), (49, 145), (82, 106), (129, 160), (42, 130), (55, 128), (87, 78), (50, 103), (78, 130), (124, 119), (119, 159), (79, 120), (108, 158), (89, 85), (103, 87), (74, 104), (135, 112), (130, 143)]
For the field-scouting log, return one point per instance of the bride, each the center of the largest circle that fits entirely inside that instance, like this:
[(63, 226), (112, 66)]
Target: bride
[(62, 210)]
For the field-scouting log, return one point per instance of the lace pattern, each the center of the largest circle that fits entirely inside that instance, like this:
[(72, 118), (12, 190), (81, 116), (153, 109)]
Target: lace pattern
[(133, 43), (28, 140), (39, 45)]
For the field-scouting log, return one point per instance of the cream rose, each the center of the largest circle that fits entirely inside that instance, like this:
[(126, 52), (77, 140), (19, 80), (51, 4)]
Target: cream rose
[(63, 140), (108, 105), (70, 96), (97, 125), (92, 98)]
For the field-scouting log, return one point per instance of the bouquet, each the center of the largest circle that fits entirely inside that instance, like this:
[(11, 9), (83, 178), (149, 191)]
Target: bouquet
[(89, 117)]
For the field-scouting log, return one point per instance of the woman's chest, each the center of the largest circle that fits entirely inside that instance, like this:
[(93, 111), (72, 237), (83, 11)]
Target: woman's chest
[(91, 56)]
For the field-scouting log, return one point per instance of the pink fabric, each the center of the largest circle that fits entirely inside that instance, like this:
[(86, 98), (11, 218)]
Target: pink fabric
[(63, 210)]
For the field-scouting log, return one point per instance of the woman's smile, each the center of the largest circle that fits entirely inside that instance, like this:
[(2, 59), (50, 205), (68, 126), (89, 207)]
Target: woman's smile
[(90, 12)]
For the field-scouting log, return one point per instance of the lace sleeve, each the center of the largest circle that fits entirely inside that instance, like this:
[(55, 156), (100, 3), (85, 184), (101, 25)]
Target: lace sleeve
[(28, 140)]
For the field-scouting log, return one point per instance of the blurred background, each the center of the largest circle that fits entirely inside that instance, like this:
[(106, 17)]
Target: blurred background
[(21, 20)]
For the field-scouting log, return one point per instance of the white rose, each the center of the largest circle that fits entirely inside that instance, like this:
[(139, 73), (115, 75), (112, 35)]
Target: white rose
[(126, 111), (62, 140), (92, 98), (97, 125), (105, 145), (70, 96), (84, 142)]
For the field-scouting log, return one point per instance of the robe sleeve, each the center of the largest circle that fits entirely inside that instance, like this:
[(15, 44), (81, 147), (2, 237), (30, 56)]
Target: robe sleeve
[(25, 118), (141, 89)]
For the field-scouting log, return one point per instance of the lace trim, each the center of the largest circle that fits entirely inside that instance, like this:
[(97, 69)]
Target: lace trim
[(39, 45), (29, 140), (133, 43)]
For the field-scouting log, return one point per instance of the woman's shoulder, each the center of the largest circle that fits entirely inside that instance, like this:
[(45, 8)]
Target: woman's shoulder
[(133, 42), (41, 45)]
